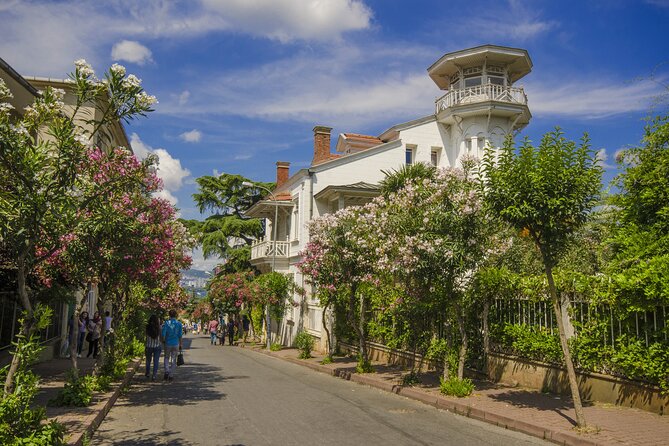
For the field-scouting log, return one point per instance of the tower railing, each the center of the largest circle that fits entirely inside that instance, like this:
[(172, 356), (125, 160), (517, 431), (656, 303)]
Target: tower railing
[(481, 93)]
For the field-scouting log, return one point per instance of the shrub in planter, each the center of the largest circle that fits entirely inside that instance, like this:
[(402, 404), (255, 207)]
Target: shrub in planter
[(305, 343)]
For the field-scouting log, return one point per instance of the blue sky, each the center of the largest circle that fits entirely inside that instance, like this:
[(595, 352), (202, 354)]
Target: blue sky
[(241, 83)]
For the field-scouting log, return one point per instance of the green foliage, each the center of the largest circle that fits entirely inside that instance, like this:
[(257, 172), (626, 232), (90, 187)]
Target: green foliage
[(405, 175), (20, 422), (78, 391), (275, 346), (364, 366), (531, 342), (547, 190), (410, 379), (456, 387), (305, 343), (257, 316), (227, 198), (274, 289), (640, 243), (327, 360)]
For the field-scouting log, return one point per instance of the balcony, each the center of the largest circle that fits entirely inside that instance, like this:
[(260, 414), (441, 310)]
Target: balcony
[(263, 251), (481, 93)]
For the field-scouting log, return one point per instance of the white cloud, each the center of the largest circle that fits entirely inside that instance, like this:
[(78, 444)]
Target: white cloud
[(131, 51), (345, 85), (513, 20), (587, 99), (72, 29), (191, 136), (183, 97), (169, 168), (243, 157), (287, 20)]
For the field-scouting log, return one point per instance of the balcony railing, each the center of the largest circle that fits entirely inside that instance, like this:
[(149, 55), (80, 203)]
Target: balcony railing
[(265, 248), (481, 93)]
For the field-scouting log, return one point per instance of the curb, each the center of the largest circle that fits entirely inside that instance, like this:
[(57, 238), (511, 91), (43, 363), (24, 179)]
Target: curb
[(456, 407), (100, 410)]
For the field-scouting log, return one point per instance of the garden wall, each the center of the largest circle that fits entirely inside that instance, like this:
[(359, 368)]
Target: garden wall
[(517, 371)]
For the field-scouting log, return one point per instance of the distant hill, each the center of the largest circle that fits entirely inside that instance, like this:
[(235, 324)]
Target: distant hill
[(195, 274)]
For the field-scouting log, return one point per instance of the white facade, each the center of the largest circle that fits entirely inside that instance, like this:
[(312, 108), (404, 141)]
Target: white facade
[(480, 107)]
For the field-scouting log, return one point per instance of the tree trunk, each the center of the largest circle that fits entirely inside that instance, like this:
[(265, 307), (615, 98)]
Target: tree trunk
[(102, 299), (571, 373), (324, 323), (449, 346), (28, 323), (464, 341), (359, 325), (75, 327), (486, 336)]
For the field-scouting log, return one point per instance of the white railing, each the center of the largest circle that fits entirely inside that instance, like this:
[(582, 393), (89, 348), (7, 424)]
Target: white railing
[(265, 248), (481, 93)]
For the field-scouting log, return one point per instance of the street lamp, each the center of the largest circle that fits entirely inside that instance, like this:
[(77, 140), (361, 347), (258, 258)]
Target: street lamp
[(274, 225)]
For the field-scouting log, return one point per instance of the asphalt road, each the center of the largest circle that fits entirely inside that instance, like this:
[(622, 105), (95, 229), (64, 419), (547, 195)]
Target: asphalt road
[(232, 396)]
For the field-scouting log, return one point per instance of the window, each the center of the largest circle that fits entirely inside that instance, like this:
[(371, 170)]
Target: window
[(496, 80), (434, 156), (472, 81), (410, 154), (473, 76)]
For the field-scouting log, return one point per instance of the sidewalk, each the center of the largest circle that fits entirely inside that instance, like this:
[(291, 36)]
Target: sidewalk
[(80, 422), (541, 415)]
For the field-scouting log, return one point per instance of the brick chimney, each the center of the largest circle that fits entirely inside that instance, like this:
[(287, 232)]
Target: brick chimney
[(282, 173), (321, 144)]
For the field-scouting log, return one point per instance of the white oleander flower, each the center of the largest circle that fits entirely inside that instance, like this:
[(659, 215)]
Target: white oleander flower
[(20, 129), (118, 70), (132, 81), (5, 107), (146, 100), (82, 139), (85, 69), (58, 93), (5, 93)]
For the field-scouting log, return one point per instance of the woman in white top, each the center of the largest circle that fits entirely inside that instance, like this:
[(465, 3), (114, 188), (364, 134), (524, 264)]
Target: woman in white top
[(153, 345)]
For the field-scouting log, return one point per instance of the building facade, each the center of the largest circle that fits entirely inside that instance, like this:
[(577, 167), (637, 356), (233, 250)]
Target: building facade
[(481, 105)]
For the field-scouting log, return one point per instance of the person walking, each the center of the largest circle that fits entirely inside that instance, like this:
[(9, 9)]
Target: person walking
[(231, 331), (152, 347), (171, 334), (245, 328), (213, 326), (94, 328), (83, 323)]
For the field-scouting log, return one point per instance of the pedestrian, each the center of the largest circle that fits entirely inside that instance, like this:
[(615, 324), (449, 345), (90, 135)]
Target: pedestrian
[(195, 328), (171, 334), (83, 323), (231, 331), (152, 347), (94, 328), (246, 322), (213, 327)]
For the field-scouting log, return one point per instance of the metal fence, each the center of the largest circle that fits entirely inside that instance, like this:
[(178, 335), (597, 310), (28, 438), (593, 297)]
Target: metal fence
[(647, 326)]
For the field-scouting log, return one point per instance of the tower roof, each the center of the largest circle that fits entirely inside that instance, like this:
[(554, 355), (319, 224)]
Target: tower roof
[(517, 61)]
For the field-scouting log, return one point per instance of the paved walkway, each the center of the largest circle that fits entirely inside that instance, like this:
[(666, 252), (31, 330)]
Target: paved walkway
[(522, 409), (80, 422)]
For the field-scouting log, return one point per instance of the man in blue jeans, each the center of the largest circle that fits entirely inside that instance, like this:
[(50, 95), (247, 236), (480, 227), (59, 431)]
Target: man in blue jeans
[(171, 333), (213, 326)]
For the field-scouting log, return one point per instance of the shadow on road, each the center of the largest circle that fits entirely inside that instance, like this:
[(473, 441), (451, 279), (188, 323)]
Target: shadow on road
[(141, 437), (192, 383)]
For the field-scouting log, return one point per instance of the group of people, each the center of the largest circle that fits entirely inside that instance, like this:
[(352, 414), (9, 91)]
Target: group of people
[(167, 337), (90, 330), (218, 331)]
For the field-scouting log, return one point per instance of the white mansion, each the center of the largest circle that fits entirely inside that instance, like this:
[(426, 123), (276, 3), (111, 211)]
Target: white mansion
[(480, 106)]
